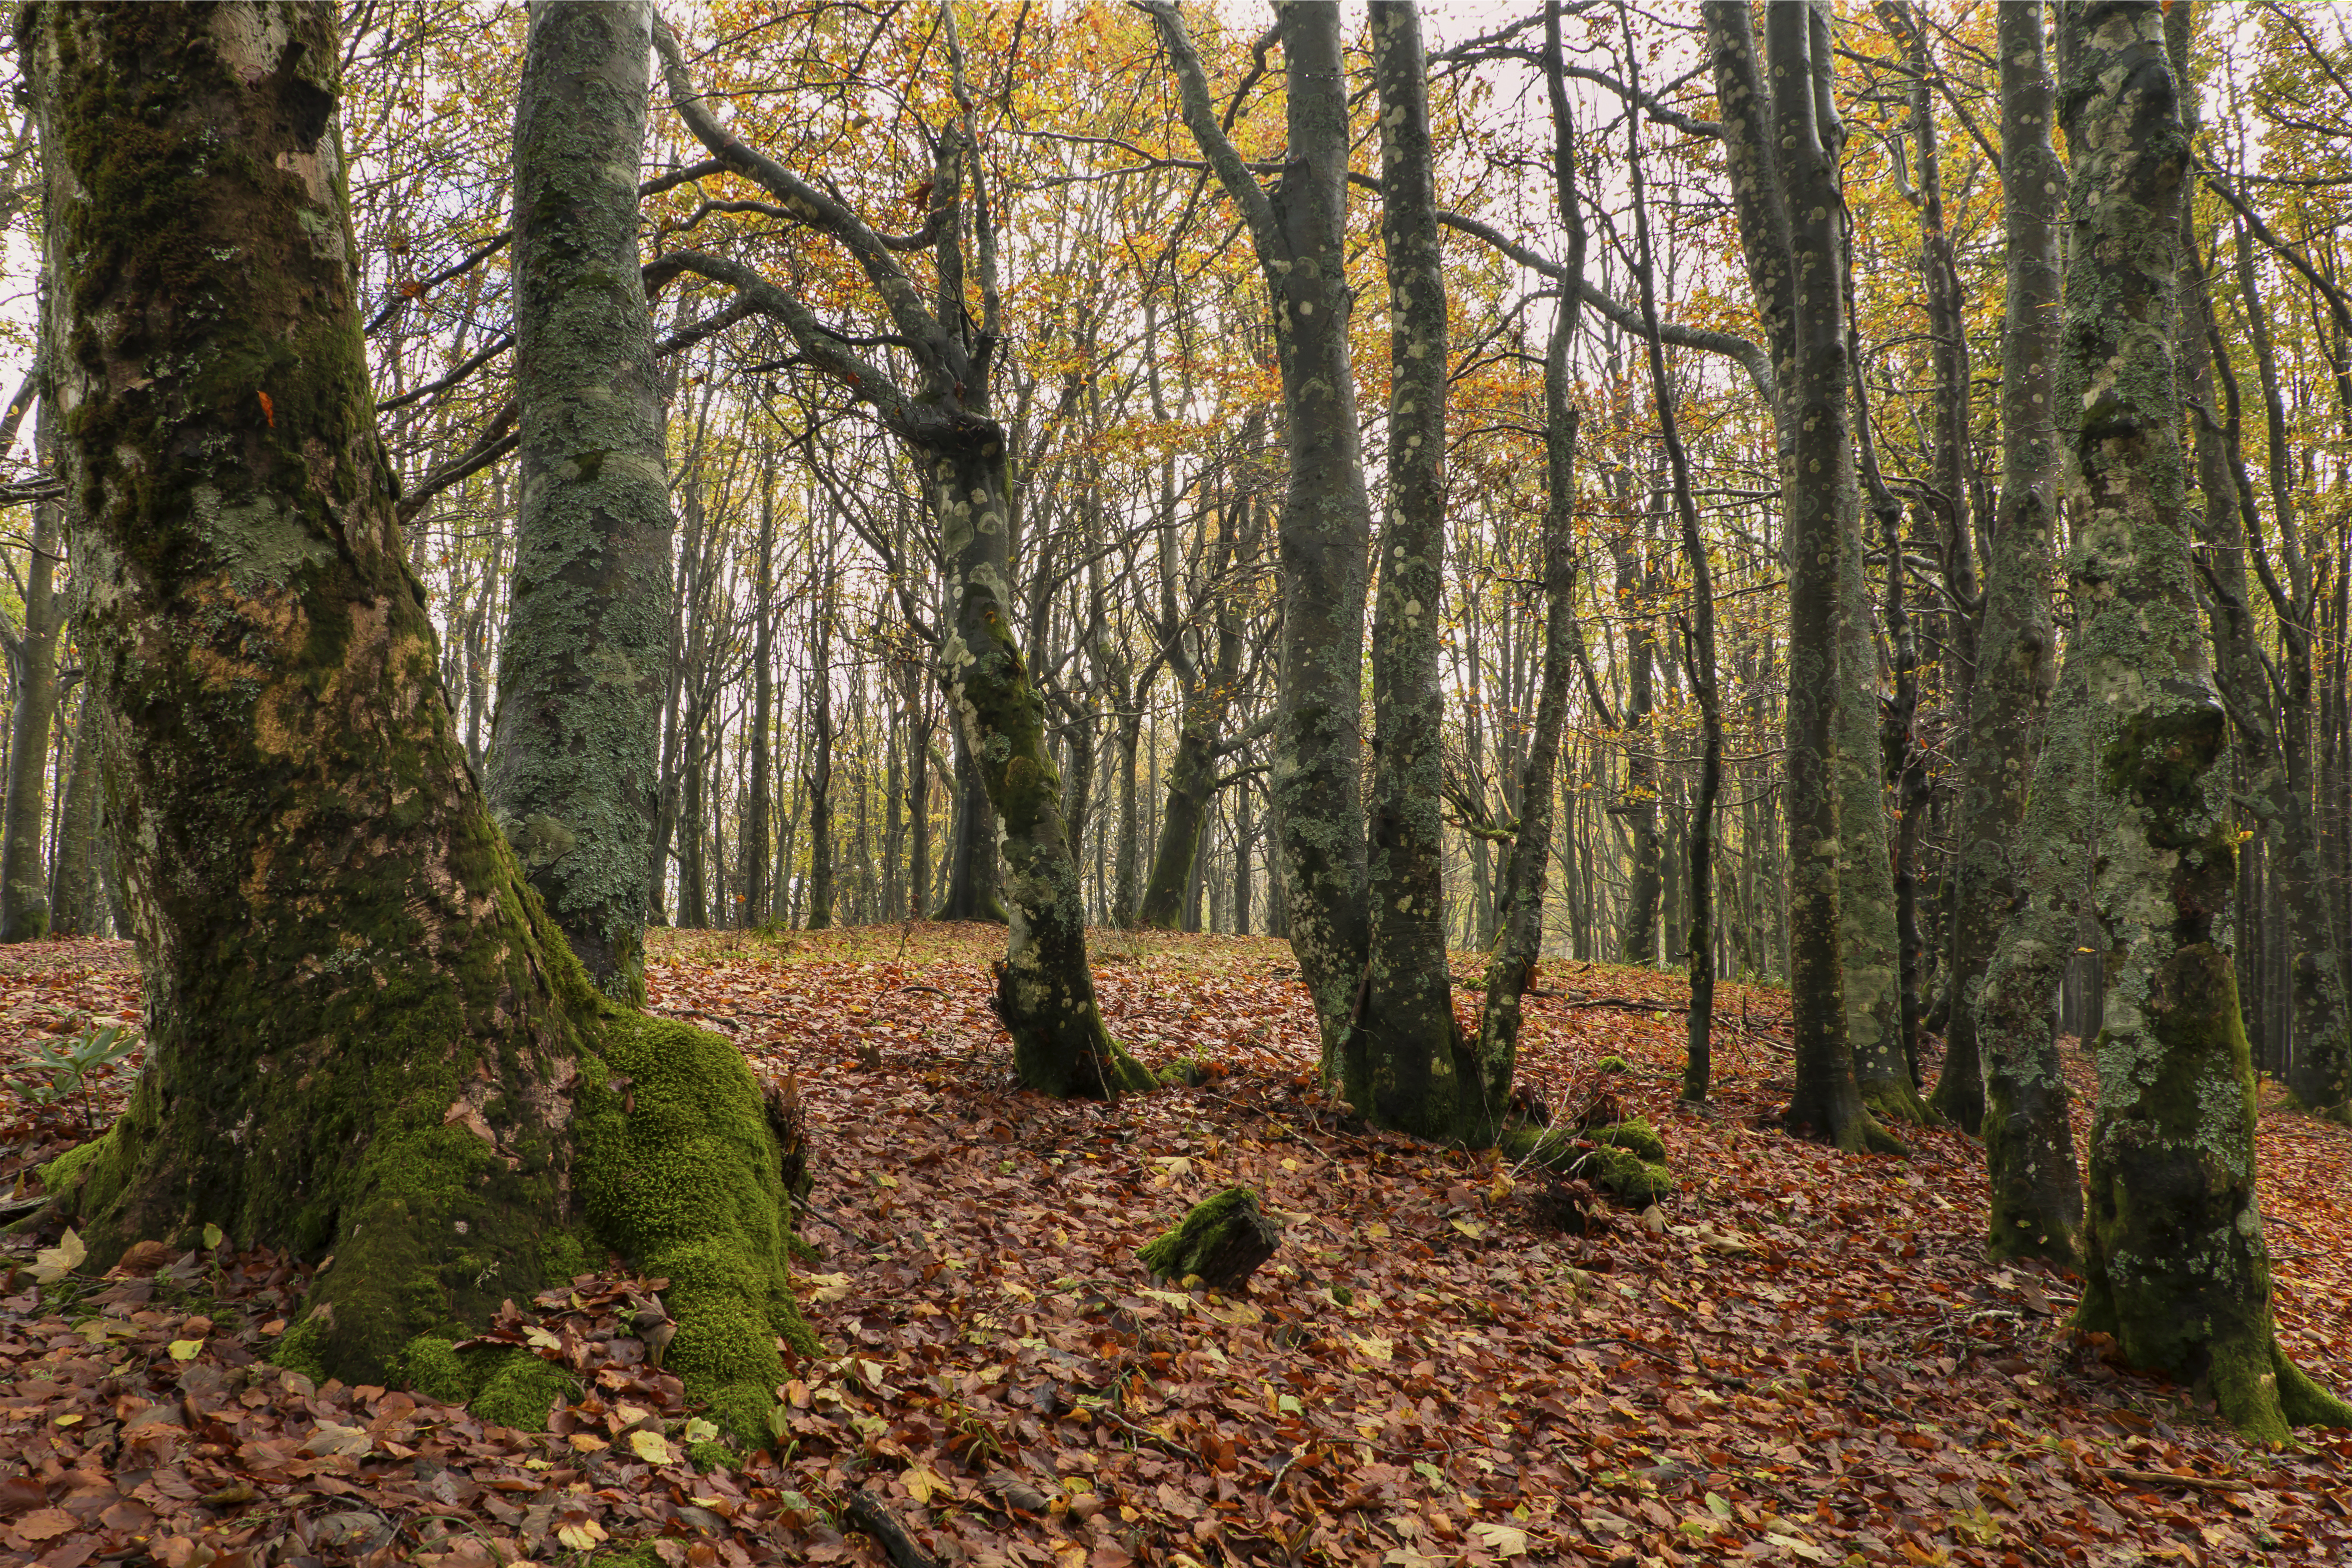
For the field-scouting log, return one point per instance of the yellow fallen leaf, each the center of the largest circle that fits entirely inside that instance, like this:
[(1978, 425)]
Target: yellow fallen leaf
[(885, 1179), (1501, 1539), (51, 1264), (540, 1337), (1377, 1231), (212, 1237), (698, 1430), (923, 1483), (1471, 1228), (652, 1447), (580, 1535), (186, 1350), (828, 1287), (1371, 1348), (589, 1443)]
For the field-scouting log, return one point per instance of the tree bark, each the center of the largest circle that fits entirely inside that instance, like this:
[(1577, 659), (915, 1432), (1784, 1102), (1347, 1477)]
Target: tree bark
[(757, 810), (820, 774), (1300, 237), (2175, 1264), (365, 1035), (24, 881), (1818, 488), (73, 884), (573, 765), (1405, 1061)]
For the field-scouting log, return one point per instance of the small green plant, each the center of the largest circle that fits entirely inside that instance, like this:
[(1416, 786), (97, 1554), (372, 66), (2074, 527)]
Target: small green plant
[(64, 1068)]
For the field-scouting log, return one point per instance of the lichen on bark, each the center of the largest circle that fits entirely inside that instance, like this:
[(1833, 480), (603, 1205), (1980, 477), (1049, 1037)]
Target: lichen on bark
[(2175, 1263)]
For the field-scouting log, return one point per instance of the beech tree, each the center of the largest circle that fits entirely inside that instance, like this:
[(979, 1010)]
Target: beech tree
[(574, 759), (366, 1038), (2175, 1264)]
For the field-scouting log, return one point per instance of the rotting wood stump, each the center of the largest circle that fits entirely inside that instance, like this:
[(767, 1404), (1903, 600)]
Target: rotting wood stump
[(1224, 1240)]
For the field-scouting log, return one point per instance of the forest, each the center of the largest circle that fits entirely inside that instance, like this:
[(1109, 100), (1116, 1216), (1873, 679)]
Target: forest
[(1068, 782)]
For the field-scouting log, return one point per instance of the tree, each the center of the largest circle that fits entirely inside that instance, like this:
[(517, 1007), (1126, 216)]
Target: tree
[(574, 765), (2175, 1265), (1045, 992), (2027, 888), (365, 1035), (33, 660)]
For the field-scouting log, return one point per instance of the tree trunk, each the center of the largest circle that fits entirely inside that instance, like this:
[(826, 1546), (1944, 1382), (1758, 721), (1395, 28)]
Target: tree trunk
[(2017, 651), (1637, 807), (1520, 900), (1818, 489), (756, 875), (574, 769), (820, 774), (1405, 1063), (24, 881), (364, 1036), (1698, 632), (1124, 894), (1300, 236), (73, 889), (2175, 1264)]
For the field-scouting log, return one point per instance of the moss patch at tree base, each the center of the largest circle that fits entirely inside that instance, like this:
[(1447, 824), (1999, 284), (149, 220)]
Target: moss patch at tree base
[(1894, 1100)]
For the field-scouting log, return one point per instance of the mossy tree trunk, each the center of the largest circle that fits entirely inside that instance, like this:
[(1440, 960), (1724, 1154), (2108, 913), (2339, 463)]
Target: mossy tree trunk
[(366, 1035), (1407, 1062), (2175, 1262), (1300, 235), (1818, 491), (574, 764), (1045, 991), (33, 656), (2017, 650), (1519, 893)]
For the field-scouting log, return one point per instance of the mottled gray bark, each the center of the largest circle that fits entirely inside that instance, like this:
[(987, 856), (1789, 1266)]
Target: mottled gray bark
[(757, 808), (1405, 1060), (574, 771), (1636, 806), (2175, 1264)]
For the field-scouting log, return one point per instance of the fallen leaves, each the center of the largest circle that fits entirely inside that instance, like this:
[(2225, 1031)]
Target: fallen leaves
[(1799, 1357)]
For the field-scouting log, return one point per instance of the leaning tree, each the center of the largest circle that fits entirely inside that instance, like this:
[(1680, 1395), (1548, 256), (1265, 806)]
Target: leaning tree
[(367, 1044)]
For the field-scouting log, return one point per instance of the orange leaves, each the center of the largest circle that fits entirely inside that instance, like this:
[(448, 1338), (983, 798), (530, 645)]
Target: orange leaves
[(268, 409)]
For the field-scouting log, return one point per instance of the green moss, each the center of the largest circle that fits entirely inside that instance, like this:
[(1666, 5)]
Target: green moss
[(687, 1182), (67, 1170), (1628, 1161), (432, 1367), (1184, 1072), (1637, 1135), (1612, 1064), (640, 1556), (707, 1457), (1224, 1240), (301, 1347), (517, 1389)]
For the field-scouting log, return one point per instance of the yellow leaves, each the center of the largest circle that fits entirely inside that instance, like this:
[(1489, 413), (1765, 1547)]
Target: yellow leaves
[(185, 1350), (581, 1534), (923, 1483), (1374, 1348), (652, 1447), (51, 1264), (1502, 1540), (588, 1443), (829, 1287), (1471, 1228)]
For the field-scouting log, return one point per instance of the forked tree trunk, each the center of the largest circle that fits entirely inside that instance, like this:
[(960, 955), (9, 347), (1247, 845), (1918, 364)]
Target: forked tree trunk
[(2175, 1265), (365, 1035), (574, 765)]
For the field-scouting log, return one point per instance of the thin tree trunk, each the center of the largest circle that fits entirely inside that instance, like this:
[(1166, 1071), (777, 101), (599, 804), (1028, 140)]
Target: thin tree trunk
[(575, 771), (820, 772), (24, 881), (756, 878), (73, 891)]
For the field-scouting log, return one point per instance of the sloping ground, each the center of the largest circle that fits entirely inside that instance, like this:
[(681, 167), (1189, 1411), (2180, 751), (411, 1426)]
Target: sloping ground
[(1800, 1355)]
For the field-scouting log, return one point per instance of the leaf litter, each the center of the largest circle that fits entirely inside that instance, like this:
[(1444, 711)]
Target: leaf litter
[(1798, 1356)]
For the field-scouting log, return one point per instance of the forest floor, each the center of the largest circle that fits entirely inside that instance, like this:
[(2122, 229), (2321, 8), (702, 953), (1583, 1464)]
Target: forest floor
[(1800, 1356)]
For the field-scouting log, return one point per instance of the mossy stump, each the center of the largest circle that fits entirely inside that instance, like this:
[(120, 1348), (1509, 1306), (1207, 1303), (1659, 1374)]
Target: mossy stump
[(1627, 1160), (1224, 1240)]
